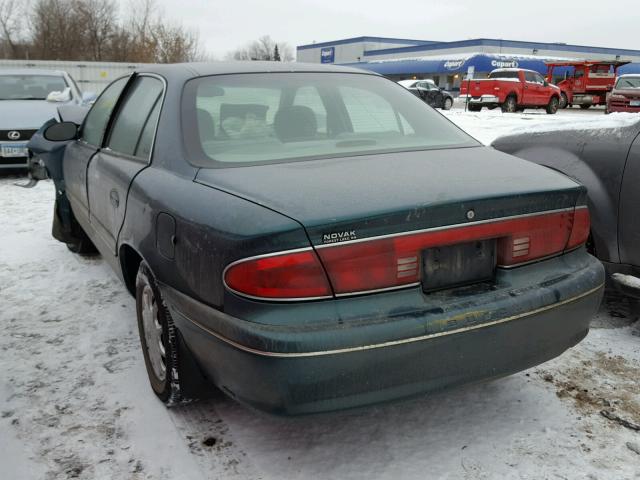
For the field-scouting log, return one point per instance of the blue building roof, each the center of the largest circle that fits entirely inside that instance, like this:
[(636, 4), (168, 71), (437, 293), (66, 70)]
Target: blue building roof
[(481, 63), (408, 41), (492, 42)]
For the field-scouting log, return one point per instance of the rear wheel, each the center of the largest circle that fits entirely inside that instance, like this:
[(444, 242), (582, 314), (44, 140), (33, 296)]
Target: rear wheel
[(159, 340), (564, 101), (552, 106), (510, 104), (447, 104)]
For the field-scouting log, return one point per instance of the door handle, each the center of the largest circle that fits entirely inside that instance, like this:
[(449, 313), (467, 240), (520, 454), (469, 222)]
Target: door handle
[(115, 198)]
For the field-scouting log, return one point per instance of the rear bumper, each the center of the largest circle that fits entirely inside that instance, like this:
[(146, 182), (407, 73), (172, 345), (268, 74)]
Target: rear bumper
[(483, 99), (305, 368), (622, 108)]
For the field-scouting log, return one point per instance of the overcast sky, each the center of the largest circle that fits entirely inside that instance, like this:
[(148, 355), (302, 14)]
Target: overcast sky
[(226, 24)]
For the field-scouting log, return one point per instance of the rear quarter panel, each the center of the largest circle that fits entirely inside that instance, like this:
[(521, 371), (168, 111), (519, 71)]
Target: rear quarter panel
[(595, 158), (212, 229)]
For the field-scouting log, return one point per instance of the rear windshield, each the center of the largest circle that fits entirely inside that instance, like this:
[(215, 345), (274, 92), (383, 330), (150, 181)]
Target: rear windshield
[(504, 74), (280, 117), (29, 87), (628, 82)]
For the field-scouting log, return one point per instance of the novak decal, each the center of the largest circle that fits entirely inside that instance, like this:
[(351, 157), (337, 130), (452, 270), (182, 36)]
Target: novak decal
[(453, 64), (504, 63), (336, 237)]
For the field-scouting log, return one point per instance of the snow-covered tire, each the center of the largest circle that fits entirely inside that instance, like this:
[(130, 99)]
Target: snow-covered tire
[(552, 106), (564, 101), (159, 340), (510, 105), (447, 104)]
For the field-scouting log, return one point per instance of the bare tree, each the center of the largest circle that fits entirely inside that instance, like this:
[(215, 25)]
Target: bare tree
[(94, 30), (263, 49), (11, 27), (99, 18)]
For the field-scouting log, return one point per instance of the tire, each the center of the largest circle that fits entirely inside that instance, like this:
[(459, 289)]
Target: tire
[(585, 106), (447, 103), (510, 105), (564, 101), (553, 105), (474, 108), (157, 334)]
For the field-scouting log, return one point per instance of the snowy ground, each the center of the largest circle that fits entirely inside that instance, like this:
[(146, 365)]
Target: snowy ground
[(74, 400)]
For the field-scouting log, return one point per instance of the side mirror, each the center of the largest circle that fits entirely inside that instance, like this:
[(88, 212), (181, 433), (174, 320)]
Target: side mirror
[(61, 132), (89, 97)]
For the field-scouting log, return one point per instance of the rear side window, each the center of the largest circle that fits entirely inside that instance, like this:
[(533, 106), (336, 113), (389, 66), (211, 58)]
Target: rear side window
[(134, 115), (502, 74), (96, 122)]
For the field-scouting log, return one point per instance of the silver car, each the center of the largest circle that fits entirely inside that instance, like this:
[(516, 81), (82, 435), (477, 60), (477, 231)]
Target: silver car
[(29, 98)]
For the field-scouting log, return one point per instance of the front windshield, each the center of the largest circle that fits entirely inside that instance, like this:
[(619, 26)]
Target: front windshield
[(278, 117), (625, 83), (30, 87)]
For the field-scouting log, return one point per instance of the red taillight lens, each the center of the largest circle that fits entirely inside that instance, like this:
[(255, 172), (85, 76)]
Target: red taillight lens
[(294, 275), (396, 261), (581, 228)]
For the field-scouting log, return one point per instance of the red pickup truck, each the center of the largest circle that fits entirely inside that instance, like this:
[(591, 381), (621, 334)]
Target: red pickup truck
[(512, 89)]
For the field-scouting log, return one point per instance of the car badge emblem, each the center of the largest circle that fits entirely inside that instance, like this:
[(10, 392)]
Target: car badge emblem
[(471, 215), (13, 135)]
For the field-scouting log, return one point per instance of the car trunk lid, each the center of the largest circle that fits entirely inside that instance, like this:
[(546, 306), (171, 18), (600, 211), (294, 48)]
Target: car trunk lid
[(384, 211)]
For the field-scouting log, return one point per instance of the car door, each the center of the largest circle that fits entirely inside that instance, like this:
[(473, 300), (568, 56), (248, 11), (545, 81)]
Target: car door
[(530, 91), (127, 151), (542, 94), (628, 225), (428, 93), (78, 154)]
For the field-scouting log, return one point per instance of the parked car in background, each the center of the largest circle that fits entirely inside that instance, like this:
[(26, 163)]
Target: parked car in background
[(625, 96), (607, 162), (313, 238), (428, 91), (512, 89), (28, 98)]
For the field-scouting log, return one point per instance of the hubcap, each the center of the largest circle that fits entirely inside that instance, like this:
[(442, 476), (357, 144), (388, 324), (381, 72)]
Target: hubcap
[(153, 334)]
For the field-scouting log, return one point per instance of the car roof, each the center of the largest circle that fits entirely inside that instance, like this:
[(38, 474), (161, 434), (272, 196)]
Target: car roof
[(32, 71), (410, 81), (514, 70), (226, 68), (630, 75)]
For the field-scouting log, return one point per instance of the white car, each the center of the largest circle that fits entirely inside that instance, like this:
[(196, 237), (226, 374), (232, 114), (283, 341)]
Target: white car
[(28, 99)]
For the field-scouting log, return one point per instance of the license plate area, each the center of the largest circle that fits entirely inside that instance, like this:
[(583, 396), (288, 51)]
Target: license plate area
[(13, 150), (458, 265)]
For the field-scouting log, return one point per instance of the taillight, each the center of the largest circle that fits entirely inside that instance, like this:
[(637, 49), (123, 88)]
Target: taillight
[(395, 261), (581, 228), (289, 275)]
